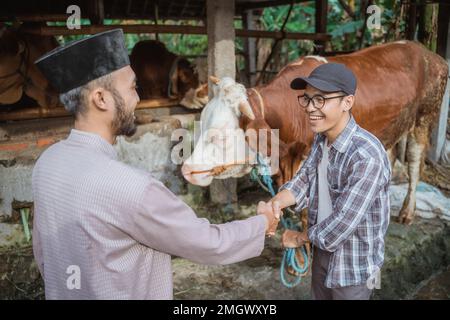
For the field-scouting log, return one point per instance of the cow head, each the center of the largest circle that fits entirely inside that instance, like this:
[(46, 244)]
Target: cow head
[(223, 149), (11, 62), (18, 74), (185, 83)]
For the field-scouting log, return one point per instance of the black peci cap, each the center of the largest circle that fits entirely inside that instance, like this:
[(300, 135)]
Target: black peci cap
[(79, 62), (328, 77)]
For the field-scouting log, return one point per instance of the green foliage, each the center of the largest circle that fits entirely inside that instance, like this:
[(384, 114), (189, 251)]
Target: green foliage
[(343, 29)]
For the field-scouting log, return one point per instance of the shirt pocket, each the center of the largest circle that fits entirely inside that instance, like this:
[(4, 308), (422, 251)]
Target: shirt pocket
[(333, 177), (335, 192)]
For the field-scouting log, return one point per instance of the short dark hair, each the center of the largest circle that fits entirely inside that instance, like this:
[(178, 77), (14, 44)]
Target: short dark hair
[(75, 101)]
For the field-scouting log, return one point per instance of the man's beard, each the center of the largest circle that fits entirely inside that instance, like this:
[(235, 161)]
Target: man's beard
[(123, 122)]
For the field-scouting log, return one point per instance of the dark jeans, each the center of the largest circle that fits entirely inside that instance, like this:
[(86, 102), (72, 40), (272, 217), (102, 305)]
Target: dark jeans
[(320, 264)]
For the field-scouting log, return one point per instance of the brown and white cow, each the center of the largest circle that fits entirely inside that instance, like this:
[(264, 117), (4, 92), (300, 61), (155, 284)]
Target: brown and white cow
[(161, 73), (18, 74), (400, 89)]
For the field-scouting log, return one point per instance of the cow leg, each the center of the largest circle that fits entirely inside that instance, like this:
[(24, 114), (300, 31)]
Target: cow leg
[(401, 148), (392, 155), (415, 153)]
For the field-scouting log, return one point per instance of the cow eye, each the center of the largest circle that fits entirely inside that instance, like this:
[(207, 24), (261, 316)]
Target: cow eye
[(217, 139)]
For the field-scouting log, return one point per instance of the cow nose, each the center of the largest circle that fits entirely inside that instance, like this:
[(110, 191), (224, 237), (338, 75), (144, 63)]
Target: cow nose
[(186, 172)]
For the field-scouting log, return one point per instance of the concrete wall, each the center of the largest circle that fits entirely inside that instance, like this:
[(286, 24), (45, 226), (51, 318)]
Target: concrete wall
[(21, 145)]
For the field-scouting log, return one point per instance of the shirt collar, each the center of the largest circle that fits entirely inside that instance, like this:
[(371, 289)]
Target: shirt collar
[(344, 138), (94, 141)]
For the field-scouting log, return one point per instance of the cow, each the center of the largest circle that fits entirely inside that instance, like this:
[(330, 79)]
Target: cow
[(161, 73), (18, 74), (399, 93)]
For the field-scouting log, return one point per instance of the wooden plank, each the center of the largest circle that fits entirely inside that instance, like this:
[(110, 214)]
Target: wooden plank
[(265, 4), (179, 29), (59, 111)]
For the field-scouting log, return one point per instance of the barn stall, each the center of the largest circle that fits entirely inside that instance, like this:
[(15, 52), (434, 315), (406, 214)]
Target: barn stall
[(27, 129)]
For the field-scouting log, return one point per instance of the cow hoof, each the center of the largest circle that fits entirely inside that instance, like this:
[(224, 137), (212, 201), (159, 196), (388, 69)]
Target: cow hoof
[(405, 217), (408, 221)]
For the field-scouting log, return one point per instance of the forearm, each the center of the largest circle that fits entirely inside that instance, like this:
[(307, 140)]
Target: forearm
[(165, 223), (285, 198)]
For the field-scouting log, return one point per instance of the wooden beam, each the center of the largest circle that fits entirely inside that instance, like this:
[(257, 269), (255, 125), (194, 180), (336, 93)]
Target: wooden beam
[(438, 135), (59, 111), (35, 17), (221, 63), (174, 29), (412, 20), (321, 24), (96, 12), (265, 4), (249, 49), (442, 34)]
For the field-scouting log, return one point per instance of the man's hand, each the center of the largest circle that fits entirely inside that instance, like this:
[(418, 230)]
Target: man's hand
[(272, 212), (294, 239)]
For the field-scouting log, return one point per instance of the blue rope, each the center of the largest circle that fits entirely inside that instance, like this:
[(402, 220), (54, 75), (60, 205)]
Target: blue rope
[(289, 257)]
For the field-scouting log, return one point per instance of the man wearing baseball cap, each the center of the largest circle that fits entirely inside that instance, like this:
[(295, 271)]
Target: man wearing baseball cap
[(344, 183)]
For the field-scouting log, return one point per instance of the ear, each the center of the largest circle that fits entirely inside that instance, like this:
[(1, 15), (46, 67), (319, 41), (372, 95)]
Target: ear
[(173, 78), (98, 98), (183, 75), (202, 91), (214, 79), (349, 101), (246, 109), (21, 47)]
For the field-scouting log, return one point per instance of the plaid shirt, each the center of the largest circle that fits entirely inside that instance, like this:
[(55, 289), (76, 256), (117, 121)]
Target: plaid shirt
[(358, 180)]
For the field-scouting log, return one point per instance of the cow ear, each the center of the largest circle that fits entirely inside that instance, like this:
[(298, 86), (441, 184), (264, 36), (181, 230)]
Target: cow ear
[(173, 87), (183, 75), (202, 91), (214, 79), (21, 47), (246, 109)]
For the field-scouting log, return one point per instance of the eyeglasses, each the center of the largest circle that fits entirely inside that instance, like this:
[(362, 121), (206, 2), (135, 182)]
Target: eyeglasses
[(318, 100)]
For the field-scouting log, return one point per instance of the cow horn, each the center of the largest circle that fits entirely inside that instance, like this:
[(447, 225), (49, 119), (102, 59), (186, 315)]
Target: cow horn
[(214, 79), (245, 108)]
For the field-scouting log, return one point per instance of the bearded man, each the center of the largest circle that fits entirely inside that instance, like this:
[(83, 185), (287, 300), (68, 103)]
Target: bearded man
[(103, 229)]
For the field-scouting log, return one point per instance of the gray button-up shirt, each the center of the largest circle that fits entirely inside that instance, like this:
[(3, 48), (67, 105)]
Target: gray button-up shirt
[(358, 181), (105, 230)]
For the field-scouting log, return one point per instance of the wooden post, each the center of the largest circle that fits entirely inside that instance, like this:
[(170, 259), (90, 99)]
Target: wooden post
[(97, 12), (438, 136), (427, 33), (221, 63), (173, 29), (321, 24), (249, 48), (412, 21)]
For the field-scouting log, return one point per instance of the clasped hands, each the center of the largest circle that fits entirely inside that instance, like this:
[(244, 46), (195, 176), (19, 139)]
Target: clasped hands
[(273, 213)]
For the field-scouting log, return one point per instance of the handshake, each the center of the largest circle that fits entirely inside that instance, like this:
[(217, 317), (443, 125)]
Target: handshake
[(273, 213)]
